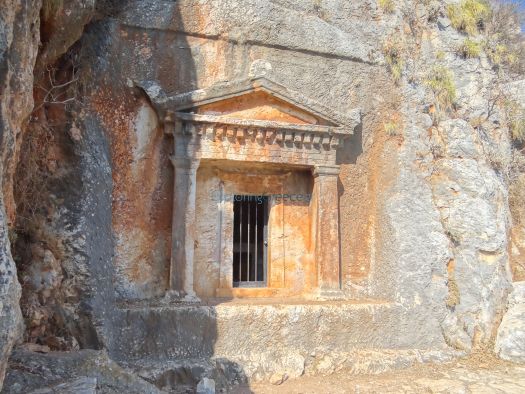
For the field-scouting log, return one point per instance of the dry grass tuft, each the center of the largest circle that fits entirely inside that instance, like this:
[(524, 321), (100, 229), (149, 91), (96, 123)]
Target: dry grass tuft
[(470, 49), (388, 6), (469, 16), (441, 82), (394, 52), (391, 128)]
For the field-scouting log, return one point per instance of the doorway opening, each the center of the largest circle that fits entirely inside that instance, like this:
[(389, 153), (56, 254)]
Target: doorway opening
[(250, 240)]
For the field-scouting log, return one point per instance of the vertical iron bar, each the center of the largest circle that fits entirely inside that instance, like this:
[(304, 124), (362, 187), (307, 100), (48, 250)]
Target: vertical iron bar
[(245, 238), (252, 245), (265, 241), (240, 240), (261, 239), (256, 264), (249, 239), (235, 239)]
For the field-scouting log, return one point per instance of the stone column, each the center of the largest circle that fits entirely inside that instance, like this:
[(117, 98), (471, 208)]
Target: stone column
[(183, 226), (327, 250)]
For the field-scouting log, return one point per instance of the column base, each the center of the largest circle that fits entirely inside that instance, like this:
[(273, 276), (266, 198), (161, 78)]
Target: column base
[(180, 296), (328, 294)]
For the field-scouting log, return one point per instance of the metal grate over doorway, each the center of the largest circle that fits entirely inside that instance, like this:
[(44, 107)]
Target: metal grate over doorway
[(250, 223)]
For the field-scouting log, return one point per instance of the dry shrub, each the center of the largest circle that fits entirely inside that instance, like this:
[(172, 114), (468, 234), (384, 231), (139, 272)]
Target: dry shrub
[(515, 116), (39, 247), (56, 88), (32, 178), (505, 45), (505, 19)]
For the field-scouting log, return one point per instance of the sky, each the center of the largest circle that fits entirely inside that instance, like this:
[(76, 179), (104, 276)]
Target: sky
[(522, 7), (521, 4)]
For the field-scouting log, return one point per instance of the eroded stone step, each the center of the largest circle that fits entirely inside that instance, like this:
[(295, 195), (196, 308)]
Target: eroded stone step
[(263, 338)]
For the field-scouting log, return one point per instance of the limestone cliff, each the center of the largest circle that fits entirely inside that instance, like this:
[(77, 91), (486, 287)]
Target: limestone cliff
[(17, 57), (427, 230)]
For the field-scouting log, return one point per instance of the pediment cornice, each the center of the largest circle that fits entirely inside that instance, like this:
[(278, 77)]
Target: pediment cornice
[(189, 102)]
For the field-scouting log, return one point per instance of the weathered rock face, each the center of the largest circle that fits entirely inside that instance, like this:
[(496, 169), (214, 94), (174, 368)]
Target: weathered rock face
[(472, 199), (511, 332), (423, 193), (60, 194), (424, 211), (510, 342), (19, 37), (11, 324), (43, 202), (517, 194)]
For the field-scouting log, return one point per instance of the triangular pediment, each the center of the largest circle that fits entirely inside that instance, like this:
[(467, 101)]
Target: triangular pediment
[(256, 99), (262, 106)]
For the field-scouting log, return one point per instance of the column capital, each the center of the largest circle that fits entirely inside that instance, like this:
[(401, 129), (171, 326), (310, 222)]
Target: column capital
[(188, 163), (169, 117), (326, 170), (170, 124)]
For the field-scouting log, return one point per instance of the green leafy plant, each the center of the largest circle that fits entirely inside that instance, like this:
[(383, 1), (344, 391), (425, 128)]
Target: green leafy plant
[(387, 6), (469, 16), (441, 82), (470, 49)]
